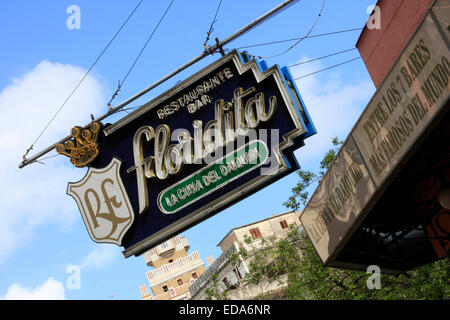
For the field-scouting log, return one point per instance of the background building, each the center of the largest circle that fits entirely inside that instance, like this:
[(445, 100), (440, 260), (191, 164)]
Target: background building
[(174, 270), (229, 276)]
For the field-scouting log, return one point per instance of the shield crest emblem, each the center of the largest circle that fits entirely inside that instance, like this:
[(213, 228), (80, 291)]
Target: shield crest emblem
[(103, 203)]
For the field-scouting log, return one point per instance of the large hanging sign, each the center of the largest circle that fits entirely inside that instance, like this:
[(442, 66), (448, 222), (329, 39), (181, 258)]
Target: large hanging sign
[(210, 141), (414, 93)]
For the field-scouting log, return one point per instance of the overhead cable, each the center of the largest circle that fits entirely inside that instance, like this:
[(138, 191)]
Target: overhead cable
[(301, 39), (146, 43), (211, 29), (320, 58), (333, 66), (82, 79), (295, 39)]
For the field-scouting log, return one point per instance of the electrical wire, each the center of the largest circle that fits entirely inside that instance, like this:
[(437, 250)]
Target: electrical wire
[(211, 29), (49, 157), (82, 79), (319, 58), (295, 39), (333, 66), (301, 39), (146, 43), (137, 58)]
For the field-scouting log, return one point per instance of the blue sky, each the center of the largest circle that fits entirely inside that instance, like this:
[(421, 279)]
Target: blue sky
[(41, 230)]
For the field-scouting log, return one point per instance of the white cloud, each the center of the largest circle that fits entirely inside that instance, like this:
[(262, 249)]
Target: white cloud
[(36, 194), (334, 101), (49, 290), (100, 257)]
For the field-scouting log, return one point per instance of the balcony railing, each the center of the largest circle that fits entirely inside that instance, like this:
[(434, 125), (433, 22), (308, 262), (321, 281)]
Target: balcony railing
[(170, 270), (166, 249), (174, 293), (217, 265)]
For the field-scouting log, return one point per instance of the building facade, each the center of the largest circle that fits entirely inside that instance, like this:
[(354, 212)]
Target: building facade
[(276, 226), (174, 270), (224, 275)]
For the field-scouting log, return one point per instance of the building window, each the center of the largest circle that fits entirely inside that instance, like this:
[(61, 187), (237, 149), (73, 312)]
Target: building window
[(165, 288), (194, 275), (180, 282), (255, 233), (164, 245), (284, 224), (226, 282)]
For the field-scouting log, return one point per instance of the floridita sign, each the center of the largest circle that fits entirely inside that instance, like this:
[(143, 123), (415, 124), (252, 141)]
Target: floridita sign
[(210, 141)]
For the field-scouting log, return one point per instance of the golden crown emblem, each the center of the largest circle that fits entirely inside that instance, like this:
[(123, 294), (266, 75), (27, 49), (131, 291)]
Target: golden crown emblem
[(83, 148)]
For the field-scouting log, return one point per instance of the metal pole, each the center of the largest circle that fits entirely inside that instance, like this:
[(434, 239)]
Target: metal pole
[(208, 51)]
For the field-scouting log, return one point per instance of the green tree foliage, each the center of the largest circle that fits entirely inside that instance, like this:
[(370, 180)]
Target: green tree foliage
[(265, 263), (305, 277), (310, 280), (299, 194), (214, 292), (296, 258)]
